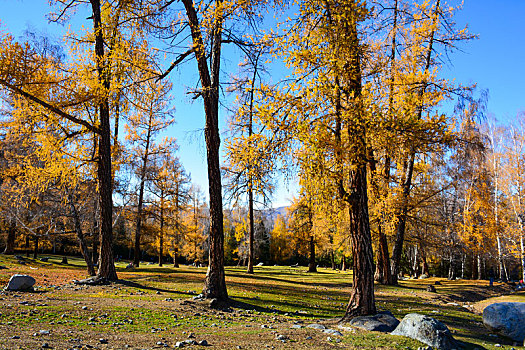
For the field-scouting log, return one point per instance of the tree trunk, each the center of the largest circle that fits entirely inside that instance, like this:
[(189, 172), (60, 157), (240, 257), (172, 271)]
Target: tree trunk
[(106, 268), (383, 272), (332, 258), (415, 267), (27, 246), (214, 284), (35, 250), (451, 271), (140, 204), (161, 233), (343, 263), (500, 258), (11, 236), (423, 255), (251, 230), (522, 252), (312, 266), (80, 235), (362, 300), (95, 233), (406, 183), (175, 258)]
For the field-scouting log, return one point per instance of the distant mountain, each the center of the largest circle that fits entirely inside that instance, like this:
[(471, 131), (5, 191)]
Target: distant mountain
[(273, 213)]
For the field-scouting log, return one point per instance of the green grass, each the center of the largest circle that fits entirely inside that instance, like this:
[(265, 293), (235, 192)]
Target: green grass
[(290, 294)]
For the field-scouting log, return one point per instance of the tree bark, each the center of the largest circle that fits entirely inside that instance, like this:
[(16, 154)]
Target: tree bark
[(214, 284), (106, 268), (251, 230), (312, 266), (424, 267), (95, 233), (35, 248), (11, 236), (80, 235), (382, 274), (161, 233)]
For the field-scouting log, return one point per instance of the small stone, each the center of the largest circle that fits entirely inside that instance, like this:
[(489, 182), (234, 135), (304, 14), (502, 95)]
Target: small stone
[(179, 344), (333, 332), (44, 332), (281, 337), (84, 307), (296, 326), (15, 337), (103, 341), (46, 346), (497, 345), (203, 342), (316, 326), (308, 338)]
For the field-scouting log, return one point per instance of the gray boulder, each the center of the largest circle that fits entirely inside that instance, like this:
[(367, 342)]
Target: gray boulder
[(506, 319), (382, 322), (427, 330), (20, 283)]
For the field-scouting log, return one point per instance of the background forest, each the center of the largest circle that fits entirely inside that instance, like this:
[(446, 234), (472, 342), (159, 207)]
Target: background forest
[(346, 98)]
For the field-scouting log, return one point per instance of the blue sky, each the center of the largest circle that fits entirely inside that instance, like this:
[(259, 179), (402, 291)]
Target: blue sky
[(496, 61)]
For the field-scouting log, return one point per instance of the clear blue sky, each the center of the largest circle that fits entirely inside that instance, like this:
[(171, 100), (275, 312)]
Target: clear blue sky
[(496, 61)]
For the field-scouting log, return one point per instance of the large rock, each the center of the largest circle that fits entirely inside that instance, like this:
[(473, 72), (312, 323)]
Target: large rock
[(506, 319), (427, 330), (382, 322), (20, 283)]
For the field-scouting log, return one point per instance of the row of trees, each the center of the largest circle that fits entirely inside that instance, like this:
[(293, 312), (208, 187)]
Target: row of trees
[(357, 117)]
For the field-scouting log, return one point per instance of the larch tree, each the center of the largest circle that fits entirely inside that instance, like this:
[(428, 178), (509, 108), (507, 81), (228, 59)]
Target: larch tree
[(249, 151), (327, 115), (84, 91), (153, 115), (168, 186)]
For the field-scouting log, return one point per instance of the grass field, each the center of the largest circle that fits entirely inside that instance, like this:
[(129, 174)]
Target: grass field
[(153, 307)]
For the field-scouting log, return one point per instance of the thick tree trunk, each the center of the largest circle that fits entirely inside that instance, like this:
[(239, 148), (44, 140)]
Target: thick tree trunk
[(214, 284), (343, 263), (175, 258), (11, 236), (80, 236), (106, 268), (251, 231), (312, 266), (362, 300)]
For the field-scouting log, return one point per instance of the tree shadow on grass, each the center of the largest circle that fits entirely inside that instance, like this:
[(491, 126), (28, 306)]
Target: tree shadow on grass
[(132, 284)]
